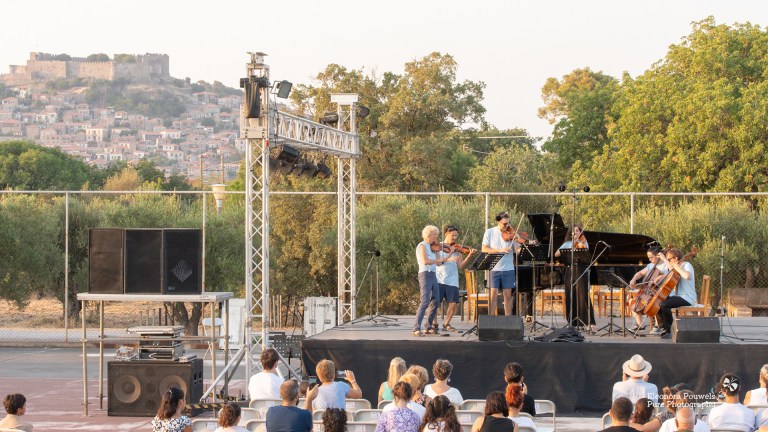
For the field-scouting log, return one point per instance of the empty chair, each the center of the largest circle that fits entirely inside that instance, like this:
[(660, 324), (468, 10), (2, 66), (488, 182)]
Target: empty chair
[(259, 425), (248, 414), (606, 420), (545, 407), (366, 415), (318, 426), (262, 405), (218, 324), (361, 427), (198, 425), (384, 403), (473, 405), (353, 405)]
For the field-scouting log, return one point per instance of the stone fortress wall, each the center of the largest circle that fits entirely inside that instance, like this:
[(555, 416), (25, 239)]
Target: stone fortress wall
[(142, 68)]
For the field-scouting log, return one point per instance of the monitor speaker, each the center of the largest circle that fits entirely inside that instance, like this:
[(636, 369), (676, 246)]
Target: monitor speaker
[(500, 328), (136, 387), (183, 261), (105, 261), (143, 261), (696, 330)]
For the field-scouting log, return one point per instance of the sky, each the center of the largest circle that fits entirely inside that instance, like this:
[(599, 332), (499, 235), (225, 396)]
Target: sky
[(511, 46)]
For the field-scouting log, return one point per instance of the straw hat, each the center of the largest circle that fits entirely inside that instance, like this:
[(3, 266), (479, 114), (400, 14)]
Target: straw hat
[(637, 367)]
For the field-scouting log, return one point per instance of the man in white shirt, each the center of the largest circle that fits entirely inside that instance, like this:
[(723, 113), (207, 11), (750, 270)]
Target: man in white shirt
[(503, 273), (731, 414), (685, 420), (266, 384), (634, 385)]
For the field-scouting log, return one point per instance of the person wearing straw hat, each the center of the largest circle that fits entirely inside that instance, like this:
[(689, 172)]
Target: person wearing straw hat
[(634, 384)]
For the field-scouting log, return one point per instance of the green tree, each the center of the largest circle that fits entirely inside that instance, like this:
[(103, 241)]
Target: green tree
[(100, 57), (25, 165)]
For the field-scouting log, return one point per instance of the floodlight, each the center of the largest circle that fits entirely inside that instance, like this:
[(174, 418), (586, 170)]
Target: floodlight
[(282, 89), (363, 111), (330, 118)]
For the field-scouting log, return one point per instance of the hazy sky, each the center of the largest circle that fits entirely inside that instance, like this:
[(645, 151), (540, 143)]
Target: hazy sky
[(512, 46)]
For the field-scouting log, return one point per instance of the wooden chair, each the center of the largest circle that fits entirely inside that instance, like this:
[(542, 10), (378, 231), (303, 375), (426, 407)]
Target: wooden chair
[(605, 295), (699, 309), (481, 300), (556, 295)]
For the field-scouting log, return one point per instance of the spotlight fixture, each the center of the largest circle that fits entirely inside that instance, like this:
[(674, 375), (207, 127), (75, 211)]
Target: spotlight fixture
[(585, 188), (322, 170), (282, 89), (363, 111), (330, 119), (287, 159)]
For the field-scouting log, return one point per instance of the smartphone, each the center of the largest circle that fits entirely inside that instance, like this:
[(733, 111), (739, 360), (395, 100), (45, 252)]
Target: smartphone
[(341, 374), (312, 381)]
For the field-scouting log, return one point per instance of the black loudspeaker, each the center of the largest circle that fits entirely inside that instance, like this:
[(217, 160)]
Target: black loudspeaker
[(183, 261), (696, 330), (500, 328), (143, 261), (105, 261), (136, 387)]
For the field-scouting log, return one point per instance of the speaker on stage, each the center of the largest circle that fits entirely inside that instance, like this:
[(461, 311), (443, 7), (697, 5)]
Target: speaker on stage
[(696, 330), (105, 261), (500, 328), (183, 261), (135, 388), (143, 261)]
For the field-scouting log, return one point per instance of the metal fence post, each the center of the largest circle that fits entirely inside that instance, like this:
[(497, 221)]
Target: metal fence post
[(66, 267)]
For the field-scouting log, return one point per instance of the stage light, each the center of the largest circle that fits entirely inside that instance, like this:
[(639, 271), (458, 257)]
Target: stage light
[(287, 159), (322, 170), (363, 111), (282, 89), (330, 118), (585, 188)]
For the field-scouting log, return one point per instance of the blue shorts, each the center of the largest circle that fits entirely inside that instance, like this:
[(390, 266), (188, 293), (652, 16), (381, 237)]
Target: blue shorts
[(503, 279), (448, 292)]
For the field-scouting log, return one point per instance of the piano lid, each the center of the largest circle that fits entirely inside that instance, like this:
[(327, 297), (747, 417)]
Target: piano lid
[(625, 248)]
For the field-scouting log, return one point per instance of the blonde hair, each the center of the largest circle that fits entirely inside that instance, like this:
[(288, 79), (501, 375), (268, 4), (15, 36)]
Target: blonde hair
[(429, 230), (421, 373), (764, 373), (396, 370), (326, 371), (413, 380)]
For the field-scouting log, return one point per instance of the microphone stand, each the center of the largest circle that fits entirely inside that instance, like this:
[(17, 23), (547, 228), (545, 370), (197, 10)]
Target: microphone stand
[(722, 267), (534, 322)]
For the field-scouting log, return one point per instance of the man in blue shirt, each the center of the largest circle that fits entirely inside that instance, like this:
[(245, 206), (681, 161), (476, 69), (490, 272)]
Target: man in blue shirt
[(288, 417)]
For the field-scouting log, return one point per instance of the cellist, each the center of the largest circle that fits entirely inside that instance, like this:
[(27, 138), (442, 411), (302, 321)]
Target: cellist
[(653, 269), (685, 293)]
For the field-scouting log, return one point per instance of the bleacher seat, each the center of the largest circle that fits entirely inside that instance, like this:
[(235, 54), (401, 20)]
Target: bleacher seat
[(257, 425), (353, 405), (473, 405)]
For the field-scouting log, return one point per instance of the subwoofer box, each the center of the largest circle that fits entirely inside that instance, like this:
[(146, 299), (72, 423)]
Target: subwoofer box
[(696, 330), (105, 261), (135, 388), (500, 328)]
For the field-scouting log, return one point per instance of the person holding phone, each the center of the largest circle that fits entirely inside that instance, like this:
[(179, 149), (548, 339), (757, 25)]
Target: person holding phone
[(331, 393)]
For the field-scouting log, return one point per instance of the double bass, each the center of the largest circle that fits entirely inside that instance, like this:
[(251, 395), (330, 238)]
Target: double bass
[(667, 286)]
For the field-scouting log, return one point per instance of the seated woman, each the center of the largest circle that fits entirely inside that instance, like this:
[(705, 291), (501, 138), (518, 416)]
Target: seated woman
[(643, 412), (331, 394), (397, 417), (229, 417), (169, 418), (413, 404), (335, 420), (442, 372), (515, 398), (440, 416), (421, 372), (396, 370), (669, 399), (496, 411), (758, 395)]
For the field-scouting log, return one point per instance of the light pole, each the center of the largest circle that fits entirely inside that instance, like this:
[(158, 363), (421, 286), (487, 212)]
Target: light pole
[(218, 194)]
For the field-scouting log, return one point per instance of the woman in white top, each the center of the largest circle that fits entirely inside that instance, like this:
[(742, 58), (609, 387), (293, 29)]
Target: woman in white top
[(229, 417), (429, 290), (442, 372), (440, 416), (757, 396), (515, 402)]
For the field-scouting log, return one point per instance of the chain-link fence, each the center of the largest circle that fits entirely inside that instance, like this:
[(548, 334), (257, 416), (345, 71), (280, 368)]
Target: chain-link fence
[(44, 245)]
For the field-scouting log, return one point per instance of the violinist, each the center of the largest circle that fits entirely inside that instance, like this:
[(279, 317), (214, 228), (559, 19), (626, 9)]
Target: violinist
[(503, 274), (685, 294), (578, 306), (644, 274), (428, 287), (448, 274)]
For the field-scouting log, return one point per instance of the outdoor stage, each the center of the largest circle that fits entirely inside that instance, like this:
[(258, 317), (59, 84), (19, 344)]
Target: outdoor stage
[(578, 377)]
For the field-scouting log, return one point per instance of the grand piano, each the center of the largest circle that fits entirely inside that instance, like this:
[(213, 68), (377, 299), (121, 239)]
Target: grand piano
[(622, 254)]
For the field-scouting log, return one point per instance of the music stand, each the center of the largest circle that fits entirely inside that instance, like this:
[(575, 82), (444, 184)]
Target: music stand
[(612, 280), (482, 261), (570, 258), (536, 255)]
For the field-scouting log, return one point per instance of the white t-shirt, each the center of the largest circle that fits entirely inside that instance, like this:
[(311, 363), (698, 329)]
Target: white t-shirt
[(413, 406), (453, 394), (524, 421), (264, 385), (671, 426), (757, 397), (231, 429), (634, 389), (448, 273), (430, 255), (686, 288), (732, 415), (492, 238)]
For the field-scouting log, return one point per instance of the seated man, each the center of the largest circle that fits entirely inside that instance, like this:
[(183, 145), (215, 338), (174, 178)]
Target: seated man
[(731, 414), (513, 374), (634, 385), (15, 406), (685, 421), (621, 411), (266, 384), (288, 417)]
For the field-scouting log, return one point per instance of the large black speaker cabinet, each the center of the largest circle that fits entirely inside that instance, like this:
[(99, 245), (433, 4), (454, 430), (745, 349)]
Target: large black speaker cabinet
[(105, 261), (500, 328), (696, 330), (143, 261), (183, 261), (136, 387)]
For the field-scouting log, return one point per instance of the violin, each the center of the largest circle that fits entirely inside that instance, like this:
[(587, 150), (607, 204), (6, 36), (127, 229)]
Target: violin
[(461, 248), (580, 243), (437, 247), (510, 234)]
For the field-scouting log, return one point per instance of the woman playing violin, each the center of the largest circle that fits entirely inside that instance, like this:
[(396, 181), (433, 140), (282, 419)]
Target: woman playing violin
[(579, 310), (685, 293), (428, 287), (448, 274)]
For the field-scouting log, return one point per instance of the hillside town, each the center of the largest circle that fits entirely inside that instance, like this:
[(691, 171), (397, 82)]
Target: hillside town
[(202, 139)]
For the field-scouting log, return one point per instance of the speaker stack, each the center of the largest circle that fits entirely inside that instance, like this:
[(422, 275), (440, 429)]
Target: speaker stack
[(145, 261), (500, 328), (696, 330), (137, 387)]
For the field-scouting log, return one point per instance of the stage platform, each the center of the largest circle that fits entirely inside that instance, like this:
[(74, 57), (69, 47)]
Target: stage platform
[(578, 377)]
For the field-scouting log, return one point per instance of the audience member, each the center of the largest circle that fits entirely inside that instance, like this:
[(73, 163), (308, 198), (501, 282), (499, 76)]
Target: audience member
[(396, 417), (421, 372), (634, 385), (684, 421), (331, 394), (669, 399), (266, 384), (413, 404), (303, 387), (495, 419), (334, 420), (515, 402), (396, 370), (513, 374), (621, 411), (643, 412), (15, 407), (442, 372), (229, 417), (440, 416), (731, 414), (288, 417), (169, 418), (757, 396)]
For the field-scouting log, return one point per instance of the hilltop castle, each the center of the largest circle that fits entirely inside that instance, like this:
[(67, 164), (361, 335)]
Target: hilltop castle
[(134, 68)]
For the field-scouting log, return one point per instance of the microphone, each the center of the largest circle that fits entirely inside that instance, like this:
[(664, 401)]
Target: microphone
[(375, 252), (607, 246)]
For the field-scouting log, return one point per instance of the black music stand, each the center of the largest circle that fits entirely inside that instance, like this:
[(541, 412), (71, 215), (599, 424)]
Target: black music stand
[(570, 257), (612, 280), (536, 255), (482, 261)]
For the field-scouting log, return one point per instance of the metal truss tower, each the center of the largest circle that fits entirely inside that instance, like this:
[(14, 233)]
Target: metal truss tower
[(272, 129)]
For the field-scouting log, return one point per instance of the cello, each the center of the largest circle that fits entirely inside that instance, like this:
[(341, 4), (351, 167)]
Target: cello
[(667, 286)]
